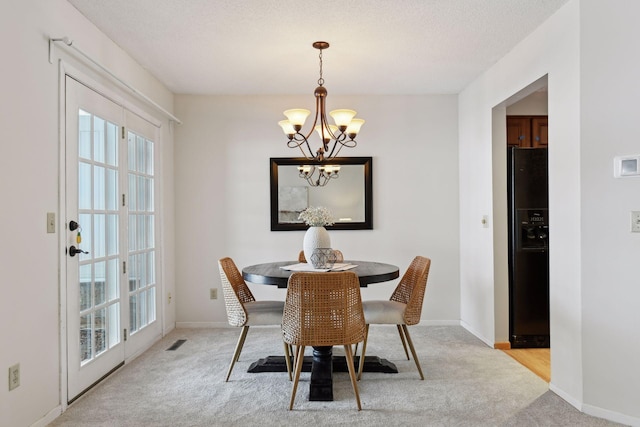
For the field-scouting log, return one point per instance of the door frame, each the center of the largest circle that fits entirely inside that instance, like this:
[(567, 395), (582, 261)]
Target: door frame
[(66, 69)]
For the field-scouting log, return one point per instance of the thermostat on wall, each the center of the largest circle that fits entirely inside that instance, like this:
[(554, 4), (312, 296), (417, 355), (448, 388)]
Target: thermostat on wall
[(624, 166)]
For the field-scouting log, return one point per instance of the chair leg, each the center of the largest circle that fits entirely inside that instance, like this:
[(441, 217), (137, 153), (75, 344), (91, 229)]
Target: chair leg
[(238, 350), (355, 350), (404, 342), (287, 358), (364, 350), (352, 374), (299, 360), (413, 350)]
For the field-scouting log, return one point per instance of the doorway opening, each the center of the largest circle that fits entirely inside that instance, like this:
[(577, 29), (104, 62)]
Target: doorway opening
[(521, 120)]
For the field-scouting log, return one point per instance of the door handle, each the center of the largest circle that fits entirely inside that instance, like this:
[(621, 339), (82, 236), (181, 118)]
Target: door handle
[(73, 251)]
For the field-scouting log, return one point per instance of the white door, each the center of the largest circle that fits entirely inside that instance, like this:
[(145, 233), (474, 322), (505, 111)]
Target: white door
[(111, 278)]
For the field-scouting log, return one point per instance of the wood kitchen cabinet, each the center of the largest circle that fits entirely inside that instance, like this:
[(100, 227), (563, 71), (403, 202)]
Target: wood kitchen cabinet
[(527, 131)]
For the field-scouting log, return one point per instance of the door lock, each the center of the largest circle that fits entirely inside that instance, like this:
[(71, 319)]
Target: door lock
[(73, 251)]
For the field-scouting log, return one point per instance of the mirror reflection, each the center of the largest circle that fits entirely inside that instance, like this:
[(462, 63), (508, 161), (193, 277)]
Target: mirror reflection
[(347, 195)]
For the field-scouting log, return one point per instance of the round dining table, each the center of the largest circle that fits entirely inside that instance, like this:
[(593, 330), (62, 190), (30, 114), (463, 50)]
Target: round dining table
[(323, 363), (272, 273)]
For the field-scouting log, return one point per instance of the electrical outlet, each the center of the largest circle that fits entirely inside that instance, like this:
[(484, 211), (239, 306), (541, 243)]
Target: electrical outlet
[(635, 221), (213, 293), (14, 376)]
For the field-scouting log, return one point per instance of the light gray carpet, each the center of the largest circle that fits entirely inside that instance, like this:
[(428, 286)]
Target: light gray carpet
[(466, 384)]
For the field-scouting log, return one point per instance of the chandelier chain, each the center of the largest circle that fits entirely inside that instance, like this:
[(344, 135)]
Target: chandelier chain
[(320, 80)]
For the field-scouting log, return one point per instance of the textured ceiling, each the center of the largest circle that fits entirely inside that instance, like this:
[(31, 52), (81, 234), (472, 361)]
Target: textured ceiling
[(264, 46)]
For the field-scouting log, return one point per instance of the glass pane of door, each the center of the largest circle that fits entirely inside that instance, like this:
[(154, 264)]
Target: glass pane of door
[(142, 250), (98, 235)]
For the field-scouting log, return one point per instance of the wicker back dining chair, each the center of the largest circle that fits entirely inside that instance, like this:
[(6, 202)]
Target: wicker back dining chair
[(337, 253), (403, 308), (243, 310), (323, 309)]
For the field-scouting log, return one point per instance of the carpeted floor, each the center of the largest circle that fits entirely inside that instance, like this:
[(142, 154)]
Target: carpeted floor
[(466, 384)]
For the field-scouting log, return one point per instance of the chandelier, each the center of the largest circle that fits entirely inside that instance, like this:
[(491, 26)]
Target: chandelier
[(333, 136), (325, 173)]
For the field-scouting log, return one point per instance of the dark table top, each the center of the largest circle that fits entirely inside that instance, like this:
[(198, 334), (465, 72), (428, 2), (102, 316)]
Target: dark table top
[(271, 274)]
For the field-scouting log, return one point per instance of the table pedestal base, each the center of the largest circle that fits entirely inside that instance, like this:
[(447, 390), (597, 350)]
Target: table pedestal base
[(322, 365)]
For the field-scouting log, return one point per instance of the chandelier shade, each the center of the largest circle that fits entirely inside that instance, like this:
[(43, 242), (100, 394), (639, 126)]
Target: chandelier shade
[(333, 137)]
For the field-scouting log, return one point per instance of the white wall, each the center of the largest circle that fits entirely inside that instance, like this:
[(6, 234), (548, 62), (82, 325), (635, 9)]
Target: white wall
[(584, 48), (222, 193), (29, 172), (533, 105), (609, 91), (552, 49)]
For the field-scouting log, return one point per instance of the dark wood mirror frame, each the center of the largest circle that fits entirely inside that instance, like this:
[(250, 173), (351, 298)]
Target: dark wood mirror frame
[(367, 224)]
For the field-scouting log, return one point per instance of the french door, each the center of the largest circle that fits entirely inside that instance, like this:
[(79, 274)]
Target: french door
[(112, 289)]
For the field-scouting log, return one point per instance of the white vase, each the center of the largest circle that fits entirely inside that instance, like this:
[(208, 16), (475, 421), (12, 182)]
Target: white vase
[(315, 237)]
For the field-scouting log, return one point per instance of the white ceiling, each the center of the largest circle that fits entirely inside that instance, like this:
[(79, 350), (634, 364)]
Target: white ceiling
[(264, 46)]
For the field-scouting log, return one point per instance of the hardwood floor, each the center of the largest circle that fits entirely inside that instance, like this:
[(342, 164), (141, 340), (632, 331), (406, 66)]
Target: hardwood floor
[(537, 360)]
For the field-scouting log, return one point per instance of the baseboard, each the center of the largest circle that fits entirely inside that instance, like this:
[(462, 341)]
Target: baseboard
[(566, 396), (596, 411), (502, 345), (607, 414), (49, 417), (198, 325), (439, 323), (476, 334)]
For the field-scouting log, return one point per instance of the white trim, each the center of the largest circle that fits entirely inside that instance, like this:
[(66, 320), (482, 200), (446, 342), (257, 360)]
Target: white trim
[(62, 269), (439, 323), (488, 342), (66, 42), (567, 397), (85, 79), (595, 411), (48, 417), (611, 415), (200, 325), (203, 325)]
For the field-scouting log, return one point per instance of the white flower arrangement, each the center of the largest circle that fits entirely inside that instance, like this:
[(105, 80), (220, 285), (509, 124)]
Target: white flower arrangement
[(316, 217)]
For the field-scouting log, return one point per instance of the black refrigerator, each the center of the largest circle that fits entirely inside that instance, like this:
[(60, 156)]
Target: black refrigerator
[(528, 247)]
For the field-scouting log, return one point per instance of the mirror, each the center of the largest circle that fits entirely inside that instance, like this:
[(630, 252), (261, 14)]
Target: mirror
[(348, 196)]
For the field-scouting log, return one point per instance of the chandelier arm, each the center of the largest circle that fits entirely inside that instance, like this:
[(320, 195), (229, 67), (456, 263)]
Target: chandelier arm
[(349, 144), (339, 148), (302, 151), (337, 140), (313, 125), (295, 143), (322, 177), (306, 141)]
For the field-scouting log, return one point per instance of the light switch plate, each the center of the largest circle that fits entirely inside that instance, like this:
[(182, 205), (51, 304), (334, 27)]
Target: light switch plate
[(14, 376), (635, 221), (51, 222)]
